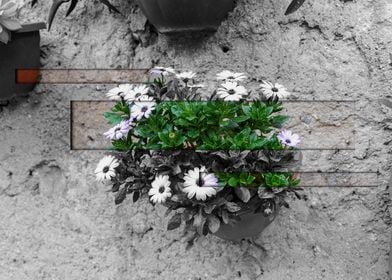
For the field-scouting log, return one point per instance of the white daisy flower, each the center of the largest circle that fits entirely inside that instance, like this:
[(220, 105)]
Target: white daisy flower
[(119, 131), (105, 170), (196, 86), (230, 76), (288, 138), (199, 183), (274, 90), (158, 71), (186, 76), (231, 91), (160, 189), (137, 93), (119, 92), (142, 109), (146, 98)]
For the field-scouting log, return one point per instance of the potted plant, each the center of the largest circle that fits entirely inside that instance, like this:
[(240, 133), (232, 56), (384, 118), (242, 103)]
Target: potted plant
[(19, 48), (173, 16), (216, 161), (57, 3), (170, 16)]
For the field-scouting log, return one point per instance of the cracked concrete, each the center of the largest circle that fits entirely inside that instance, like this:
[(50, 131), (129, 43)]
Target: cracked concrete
[(57, 223)]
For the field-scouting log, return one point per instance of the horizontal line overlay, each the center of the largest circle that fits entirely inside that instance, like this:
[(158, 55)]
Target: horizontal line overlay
[(327, 130), (81, 76), (332, 127), (340, 179)]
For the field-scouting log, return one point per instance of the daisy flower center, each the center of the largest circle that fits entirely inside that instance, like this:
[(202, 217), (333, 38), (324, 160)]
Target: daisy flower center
[(161, 189), (144, 109), (105, 169), (200, 182), (231, 91), (288, 141), (274, 89)]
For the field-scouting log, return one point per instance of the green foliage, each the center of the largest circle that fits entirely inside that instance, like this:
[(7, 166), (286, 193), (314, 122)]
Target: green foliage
[(227, 138), (279, 180), (257, 180), (119, 112), (215, 125), (57, 3)]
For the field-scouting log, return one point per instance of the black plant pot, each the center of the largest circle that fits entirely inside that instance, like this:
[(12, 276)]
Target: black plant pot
[(174, 16), (23, 51), (250, 226)]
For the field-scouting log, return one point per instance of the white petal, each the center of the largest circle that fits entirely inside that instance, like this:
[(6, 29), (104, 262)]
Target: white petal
[(152, 191), (153, 199), (201, 196)]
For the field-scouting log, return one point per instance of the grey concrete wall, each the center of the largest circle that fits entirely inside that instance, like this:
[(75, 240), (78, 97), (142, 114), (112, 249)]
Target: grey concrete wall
[(57, 223)]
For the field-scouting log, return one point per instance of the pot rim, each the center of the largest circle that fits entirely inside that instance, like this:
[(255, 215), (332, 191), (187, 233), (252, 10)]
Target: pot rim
[(31, 27)]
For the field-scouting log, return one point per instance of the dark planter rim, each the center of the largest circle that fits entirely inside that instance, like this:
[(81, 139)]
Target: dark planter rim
[(22, 51), (167, 22), (31, 27)]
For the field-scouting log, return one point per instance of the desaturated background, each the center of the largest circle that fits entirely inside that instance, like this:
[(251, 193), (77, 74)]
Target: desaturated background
[(58, 223)]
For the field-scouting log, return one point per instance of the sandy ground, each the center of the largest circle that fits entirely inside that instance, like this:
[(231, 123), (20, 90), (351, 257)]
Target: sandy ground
[(58, 223)]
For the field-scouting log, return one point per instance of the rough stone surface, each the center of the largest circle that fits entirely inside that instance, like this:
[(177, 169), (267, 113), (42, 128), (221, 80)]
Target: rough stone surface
[(57, 223)]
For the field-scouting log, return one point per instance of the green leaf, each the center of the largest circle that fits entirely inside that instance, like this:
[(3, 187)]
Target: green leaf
[(10, 24), (164, 137), (269, 110), (241, 119), (180, 140), (278, 121), (225, 216), (232, 207), (213, 223), (250, 179), (136, 196), (246, 109), (193, 133), (110, 6), (294, 5), (153, 147), (243, 194), (233, 182), (199, 222), (143, 131), (4, 36), (274, 180), (174, 222), (121, 195), (228, 124), (112, 118)]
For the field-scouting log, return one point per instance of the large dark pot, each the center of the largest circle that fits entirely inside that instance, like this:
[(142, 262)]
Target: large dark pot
[(171, 16), (250, 225), (23, 51)]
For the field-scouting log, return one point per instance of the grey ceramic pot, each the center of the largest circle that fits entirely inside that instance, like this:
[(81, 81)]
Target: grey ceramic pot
[(174, 16), (23, 51), (251, 225)]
